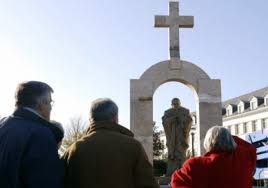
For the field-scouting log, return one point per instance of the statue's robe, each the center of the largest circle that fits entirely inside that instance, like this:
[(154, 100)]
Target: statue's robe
[(177, 124)]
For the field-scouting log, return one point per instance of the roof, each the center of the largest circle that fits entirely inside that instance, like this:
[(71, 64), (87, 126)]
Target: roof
[(242, 101), (227, 104), (258, 93)]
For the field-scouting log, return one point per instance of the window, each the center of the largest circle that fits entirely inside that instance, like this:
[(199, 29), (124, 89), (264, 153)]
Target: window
[(254, 127), (229, 111), (236, 129), (245, 128), (229, 128), (254, 105), (194, 120), (262, 123), (265, 122), (239, 109)]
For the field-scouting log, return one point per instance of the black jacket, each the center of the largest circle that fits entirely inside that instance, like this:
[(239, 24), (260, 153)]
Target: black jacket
[(28, 152)]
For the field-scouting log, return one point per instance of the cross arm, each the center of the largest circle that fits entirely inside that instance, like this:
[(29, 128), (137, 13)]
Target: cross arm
[(161, 21), (185, 21), (178, 21)]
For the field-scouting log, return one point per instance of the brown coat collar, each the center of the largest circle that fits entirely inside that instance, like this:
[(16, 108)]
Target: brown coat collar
[(108, 125)]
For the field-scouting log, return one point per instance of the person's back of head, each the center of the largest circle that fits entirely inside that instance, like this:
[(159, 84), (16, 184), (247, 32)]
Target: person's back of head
[(219, 139), (35, 95), (103, 109)]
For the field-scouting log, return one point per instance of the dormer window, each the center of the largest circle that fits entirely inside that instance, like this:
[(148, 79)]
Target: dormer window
[(240, 107), (230, 109), (254, 103), (228, 112), (266, 100), (240, 110)]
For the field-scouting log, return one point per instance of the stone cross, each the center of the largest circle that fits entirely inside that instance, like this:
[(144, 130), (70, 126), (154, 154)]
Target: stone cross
[(174, 22)]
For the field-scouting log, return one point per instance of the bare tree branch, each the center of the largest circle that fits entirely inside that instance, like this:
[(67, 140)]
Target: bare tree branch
[(75, 131)]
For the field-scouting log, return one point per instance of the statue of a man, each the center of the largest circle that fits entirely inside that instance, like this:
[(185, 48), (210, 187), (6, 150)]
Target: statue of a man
[(177, 124)]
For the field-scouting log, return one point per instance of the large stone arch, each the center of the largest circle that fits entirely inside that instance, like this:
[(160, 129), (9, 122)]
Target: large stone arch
[(207, 93)]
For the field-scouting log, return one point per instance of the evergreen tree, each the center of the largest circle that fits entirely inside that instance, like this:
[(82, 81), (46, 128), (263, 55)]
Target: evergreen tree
[(158, 145)]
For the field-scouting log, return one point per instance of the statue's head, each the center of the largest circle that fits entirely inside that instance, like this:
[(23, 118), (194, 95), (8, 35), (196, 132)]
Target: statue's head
[(175, 103)]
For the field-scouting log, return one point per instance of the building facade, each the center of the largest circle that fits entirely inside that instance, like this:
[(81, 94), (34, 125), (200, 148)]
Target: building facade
[(241, 115)]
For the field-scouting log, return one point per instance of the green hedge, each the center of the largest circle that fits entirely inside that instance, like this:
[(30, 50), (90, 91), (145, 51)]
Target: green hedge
[(160, 167)]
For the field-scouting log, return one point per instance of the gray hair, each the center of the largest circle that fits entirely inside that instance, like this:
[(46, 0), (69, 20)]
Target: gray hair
[(31, 93), (103, 109), (219, 139)]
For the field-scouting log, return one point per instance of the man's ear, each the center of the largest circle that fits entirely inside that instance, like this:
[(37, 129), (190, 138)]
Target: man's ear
[(39, 107)]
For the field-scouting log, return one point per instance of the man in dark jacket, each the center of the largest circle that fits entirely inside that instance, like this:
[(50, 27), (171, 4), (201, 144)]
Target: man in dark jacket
[(108, 155), (28, 142)]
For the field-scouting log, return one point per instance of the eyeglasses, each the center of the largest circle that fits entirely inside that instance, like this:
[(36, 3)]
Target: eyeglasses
[(51, 102)]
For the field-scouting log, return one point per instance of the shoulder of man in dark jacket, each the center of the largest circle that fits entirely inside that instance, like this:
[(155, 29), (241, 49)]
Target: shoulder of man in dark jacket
[(41, 164), (35, 151)]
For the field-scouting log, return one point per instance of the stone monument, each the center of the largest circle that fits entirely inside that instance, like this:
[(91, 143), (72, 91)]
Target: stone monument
[(177, 124), (207, 91)]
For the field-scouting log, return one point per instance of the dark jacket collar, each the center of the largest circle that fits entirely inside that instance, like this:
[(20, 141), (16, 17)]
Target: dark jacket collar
[(28, 115), (110, 126)]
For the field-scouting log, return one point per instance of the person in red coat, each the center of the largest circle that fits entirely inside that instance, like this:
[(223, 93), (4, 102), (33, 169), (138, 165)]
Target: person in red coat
[(228, 163)]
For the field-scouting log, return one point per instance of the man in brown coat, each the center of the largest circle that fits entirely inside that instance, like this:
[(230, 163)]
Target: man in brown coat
[(108, 156)]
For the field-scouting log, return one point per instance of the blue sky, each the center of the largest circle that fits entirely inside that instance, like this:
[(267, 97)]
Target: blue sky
[(91, 49)]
